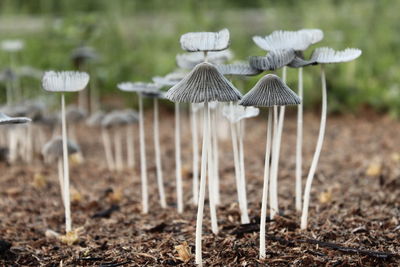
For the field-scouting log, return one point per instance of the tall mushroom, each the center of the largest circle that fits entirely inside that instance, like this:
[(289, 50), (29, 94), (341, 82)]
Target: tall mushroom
[(270, 91), (322, 56), (65, 81)]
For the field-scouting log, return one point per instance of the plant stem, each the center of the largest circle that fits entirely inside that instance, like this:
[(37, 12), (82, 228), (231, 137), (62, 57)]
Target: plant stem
[(215, 154), (68, 221), (158, 156), (143, 166), (265, 187), (299, 142), (130, 146), (211, 178), (118, 150), (195, 143), (273, 166), (242, 172), (61, 179), (179, 192), (200, 206), (317, 153), (107, 149)]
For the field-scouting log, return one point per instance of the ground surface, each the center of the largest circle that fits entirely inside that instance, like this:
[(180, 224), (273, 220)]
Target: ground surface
[(353, 216)]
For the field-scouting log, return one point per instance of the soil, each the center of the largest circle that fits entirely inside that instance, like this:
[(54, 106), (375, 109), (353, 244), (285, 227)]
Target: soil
[(354, 212)]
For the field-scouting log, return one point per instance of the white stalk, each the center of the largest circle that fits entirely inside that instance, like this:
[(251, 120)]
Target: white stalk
[(68, 221), (314, 163), (299, 142), (195, 143), (179, 190), (265, 187), (200, 206), (143, 165), (107, 149), (211, 178), (119, 164), (272, 186), (242, 172), (215, 154), (130, 146), (61, 179), (158, 156)]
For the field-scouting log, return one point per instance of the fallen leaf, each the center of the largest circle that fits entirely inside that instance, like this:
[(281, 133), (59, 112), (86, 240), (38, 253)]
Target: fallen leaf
[(72, 237), (374, 169), (39, 181), (76, 196), (325, 197), (184, 253)]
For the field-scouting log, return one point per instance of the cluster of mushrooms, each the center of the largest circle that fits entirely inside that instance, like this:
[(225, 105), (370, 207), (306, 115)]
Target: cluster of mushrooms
[(202, 81)]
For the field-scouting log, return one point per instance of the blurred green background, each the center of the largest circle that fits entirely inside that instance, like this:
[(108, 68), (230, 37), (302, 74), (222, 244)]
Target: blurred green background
[(139, 39)]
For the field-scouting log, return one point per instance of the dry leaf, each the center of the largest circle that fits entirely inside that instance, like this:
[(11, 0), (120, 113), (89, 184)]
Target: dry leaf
[(39, 181), (115, 196), (186, 171), (325, 197), (374, 169), (76, 159), (72, 237), (184, 253), (76, 196)]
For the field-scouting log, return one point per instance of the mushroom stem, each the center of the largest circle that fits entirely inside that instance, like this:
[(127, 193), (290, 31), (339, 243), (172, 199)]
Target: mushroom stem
[(265, 187), (200, 206), (211, 178), (130, 146), (143, 168), (118, 150), (61, 179), (299, 141), (314, 163), (195, 143), (107, 149), (158, 156), (179, 192), (242, 171), (68, 222), (215, 154), (272, 170)]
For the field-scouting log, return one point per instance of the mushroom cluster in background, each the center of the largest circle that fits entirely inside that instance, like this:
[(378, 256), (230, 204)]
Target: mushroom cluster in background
[(202, 89)]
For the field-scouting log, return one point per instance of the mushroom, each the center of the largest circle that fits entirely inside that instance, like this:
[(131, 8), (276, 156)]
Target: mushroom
[(190, 60), (9, 77), (12, 47), (74, 115), (65, 81), (270, 91), (322, 56), (204, 84), (53, 151), (139, 87), (132, 117)]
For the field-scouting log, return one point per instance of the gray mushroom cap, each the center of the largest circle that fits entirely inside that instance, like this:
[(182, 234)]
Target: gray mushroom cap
[(170, 79), (274, 60), (205, 41), (53, 149), (190, 60), (239, 69), (131, 115), (326, 55), (4, 119), (138, 87), (270, 91), (64, 81), (115, 119), (204, 84), (95, 119), (84, 53), (75, 114), (299, 61)]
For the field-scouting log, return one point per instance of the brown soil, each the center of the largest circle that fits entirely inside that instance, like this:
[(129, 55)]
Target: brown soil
[(353, 216)]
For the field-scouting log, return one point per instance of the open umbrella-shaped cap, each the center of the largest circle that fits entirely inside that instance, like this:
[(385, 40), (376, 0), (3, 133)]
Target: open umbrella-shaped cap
[(270, 91), (4, 119), (64, 81), (236, 113), (53, 149), (203, 84), (326, 55), (12, 45), (138, 87), (299, 61), (315, 35), (170, 79), (275, 59), (240, 69), (155, 94), (205, 41), (95, 119), (277, 40), (84, 53), (190, 60), (115, 119), (75, 114), (131, 115)]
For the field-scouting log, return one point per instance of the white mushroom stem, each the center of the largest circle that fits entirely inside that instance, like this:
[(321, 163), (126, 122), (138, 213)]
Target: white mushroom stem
[(130, 147), (29, 143), (68, 221), (200, 206), (299, 141), (119, 164), (179, 190), (215, 158), (211, 178), (265, 187), (158, 156), (61, 179), (272, 185), (107, 149), (12, 137), (195, 143), (314, 163), (242, 172), (143, 165)]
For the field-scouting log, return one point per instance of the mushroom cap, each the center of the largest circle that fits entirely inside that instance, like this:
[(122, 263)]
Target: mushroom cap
[(240, 69), (235, 113), (138, 87), (155, 94), (31, 109), (275, 59), (299, 62), (75, 114), (95, 119), (28, 71), (84, 53), (4, 119), (53, 149), (326, 55), (115, 119), (203, 84), (270, 91), (131, 115), (296, 40), (205, 41), (64, 81), (50, 120), (8, 75), (190, 60), (12, 45), (170, 79)]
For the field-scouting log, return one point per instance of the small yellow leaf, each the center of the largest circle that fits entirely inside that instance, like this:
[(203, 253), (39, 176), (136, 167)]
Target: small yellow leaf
[(72, 237), (39, 181), (184, 253), (325, 197), (76, 196), (115, 196), (374, 169), (76, 159)]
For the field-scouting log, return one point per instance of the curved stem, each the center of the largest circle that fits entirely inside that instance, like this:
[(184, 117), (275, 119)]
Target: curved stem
[(68, 221), (195, 143), (211, 179), (158, 156), (242, 173), (314, 163), (179, 192), (265, 187), (200, 206), (299, 142), (143, 165)]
